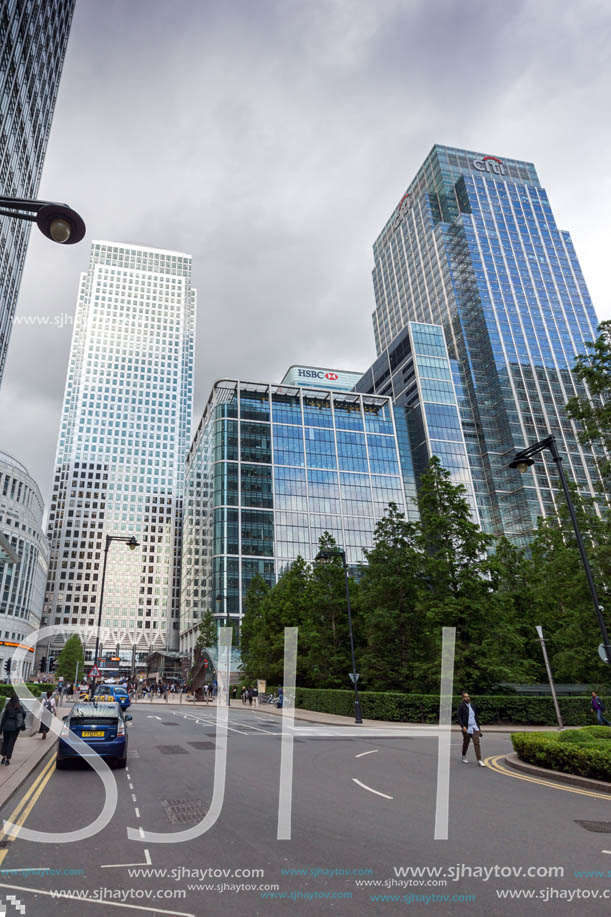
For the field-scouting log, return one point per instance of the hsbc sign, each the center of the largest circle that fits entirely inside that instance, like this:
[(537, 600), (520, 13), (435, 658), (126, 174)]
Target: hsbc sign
[(489, 164), (317, 374)]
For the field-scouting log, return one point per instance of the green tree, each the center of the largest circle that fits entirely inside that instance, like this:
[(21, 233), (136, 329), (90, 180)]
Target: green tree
[(266, 617), (71, 654), (594, 368), (459, 590), (393, 629), (563, 599), (206, 632), (326, 641)]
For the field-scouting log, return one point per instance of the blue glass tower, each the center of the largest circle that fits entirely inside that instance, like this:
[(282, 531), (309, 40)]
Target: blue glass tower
[(473, 246)]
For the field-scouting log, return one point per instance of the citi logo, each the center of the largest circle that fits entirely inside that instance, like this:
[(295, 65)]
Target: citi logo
[(489, 164)]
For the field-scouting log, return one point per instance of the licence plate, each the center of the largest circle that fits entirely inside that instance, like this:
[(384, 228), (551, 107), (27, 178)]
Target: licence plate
[(92, 735)]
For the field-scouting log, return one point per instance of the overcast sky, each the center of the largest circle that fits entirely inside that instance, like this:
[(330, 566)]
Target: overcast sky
[(271, 139)]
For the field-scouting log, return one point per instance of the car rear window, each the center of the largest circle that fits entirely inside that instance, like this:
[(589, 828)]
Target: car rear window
[(98, 720), (93, 711)]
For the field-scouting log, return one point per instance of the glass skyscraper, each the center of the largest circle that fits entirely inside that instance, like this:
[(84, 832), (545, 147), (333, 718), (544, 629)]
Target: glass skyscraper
[(124, 436), (273, 467), (473, 246), (33, 38)]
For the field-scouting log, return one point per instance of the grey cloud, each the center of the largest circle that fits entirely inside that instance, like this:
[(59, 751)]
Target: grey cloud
[(271, 141)]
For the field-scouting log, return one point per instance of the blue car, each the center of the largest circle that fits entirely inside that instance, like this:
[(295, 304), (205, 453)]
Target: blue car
[(113, 693), (101, 726)]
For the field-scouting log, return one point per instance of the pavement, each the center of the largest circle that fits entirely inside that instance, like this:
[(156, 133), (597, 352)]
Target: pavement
[(30, 749)]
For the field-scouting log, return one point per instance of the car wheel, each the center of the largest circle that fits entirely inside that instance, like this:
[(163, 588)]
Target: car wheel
[(60, 764), (121, 762)]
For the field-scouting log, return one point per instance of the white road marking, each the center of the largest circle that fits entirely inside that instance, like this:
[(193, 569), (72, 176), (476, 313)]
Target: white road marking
[(70, 897), (147, 862), (363, 753), (377, 792), (134, 797), (141, 830), (137, 811), (131, 786), (152, 717), (213, 723), (32, 869)]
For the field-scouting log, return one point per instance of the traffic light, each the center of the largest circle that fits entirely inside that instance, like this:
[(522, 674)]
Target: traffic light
[(43, 664), (51, 663), (7, 666)]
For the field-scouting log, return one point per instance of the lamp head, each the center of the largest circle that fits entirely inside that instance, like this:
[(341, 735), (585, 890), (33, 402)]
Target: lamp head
[(521, 464), (132, 543), (60, 223)]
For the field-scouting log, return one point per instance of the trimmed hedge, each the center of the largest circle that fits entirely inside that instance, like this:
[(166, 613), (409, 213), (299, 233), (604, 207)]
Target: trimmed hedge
[(8, 690), (585, 752), (424, 708)]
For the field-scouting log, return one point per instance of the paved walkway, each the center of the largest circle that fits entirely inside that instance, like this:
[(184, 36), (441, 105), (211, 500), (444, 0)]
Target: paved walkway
[(30, 749)]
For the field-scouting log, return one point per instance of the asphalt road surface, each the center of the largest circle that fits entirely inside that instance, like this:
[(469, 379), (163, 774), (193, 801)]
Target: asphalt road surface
[(363, 811)]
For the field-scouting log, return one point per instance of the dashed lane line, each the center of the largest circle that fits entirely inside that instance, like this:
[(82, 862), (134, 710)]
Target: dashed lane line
[(371, 790), (363, 753)]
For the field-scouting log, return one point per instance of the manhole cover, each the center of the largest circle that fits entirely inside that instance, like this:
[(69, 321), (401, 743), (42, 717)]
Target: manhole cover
[(172, 750), (184, 811), (201, 745), (597, 827), (163, 723)]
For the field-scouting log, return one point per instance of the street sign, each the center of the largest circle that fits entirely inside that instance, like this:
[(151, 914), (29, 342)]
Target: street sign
[(354, 677), (94, 672), (602, 653)]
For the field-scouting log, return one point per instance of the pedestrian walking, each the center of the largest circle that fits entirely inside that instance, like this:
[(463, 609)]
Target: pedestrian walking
[(48, 704), (250, 696), (244, 694), (11, 724), (598, 708), (469, 723), (255, 696)]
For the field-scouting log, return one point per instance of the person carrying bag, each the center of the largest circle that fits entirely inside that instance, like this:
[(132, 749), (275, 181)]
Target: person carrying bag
[(11, 724)]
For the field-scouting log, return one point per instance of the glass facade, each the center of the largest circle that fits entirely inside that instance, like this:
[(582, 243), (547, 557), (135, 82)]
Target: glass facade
[(33, 39), (417, 372), (270, 469), (22, 585), (473, 246), (123, 440)]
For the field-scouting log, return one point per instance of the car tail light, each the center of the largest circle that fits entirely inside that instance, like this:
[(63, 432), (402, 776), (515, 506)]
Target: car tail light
[(65, 731), (120, 728)]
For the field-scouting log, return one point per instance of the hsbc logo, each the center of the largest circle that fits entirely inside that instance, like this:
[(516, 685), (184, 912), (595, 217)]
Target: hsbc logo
[(489, 164), (317, 374)]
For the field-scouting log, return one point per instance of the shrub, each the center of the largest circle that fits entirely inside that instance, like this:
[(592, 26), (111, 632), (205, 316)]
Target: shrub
[(424, 708), (581, 752)]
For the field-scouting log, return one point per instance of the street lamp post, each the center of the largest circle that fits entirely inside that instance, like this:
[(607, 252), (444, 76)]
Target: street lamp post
[(324, 556), (521, 462), (57, 222), (131, 543)]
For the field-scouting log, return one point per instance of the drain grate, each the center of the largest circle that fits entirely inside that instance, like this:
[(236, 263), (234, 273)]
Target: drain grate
[(164, 723), (201, 745), (184, 811), (172, 750), (597, 827)]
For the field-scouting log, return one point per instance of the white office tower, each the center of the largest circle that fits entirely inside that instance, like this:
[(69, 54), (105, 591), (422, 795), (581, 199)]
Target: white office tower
[(125, 431)]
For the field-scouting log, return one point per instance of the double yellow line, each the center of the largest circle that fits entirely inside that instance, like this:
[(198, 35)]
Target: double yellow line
[(26, 804), (495, 765)]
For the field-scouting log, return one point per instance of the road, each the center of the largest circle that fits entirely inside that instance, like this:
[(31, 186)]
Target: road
[(375, 826)]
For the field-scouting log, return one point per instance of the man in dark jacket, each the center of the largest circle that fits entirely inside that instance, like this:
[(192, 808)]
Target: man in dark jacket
[(11, 724), (469, 723)]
